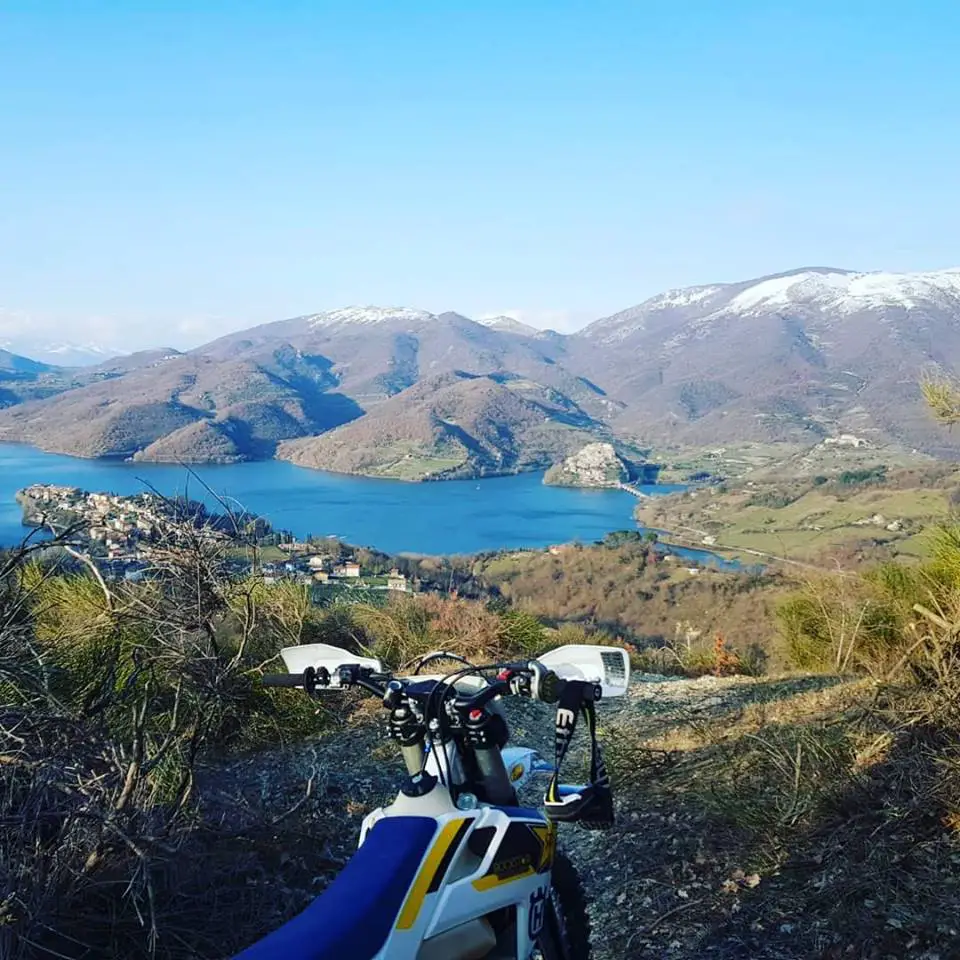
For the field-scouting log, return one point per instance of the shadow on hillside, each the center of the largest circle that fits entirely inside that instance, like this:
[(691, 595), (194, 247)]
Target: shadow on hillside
[(325, 409)]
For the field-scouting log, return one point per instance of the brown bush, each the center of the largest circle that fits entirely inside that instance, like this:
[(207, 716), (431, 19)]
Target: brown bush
[(633, 591), (114, 693)]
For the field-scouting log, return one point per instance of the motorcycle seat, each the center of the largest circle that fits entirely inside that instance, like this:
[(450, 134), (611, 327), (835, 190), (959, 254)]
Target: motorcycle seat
[(355, 914)]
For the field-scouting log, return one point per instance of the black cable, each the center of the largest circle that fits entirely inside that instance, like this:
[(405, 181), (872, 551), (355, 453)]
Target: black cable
[(426, 714), (438, 655), (448, 687), (445, 684)]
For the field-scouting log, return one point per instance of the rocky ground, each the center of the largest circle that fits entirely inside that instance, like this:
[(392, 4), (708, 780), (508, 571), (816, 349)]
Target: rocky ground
[(663, 883), (659, 886)]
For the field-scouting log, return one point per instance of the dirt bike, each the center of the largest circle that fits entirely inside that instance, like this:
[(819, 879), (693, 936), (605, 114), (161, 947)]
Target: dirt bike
[(454, 868)]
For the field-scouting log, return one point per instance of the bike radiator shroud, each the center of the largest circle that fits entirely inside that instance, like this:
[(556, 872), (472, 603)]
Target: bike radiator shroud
[(480, 862)]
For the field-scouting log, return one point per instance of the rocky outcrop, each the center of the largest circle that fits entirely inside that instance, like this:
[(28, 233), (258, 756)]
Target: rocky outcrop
[(595, 465)]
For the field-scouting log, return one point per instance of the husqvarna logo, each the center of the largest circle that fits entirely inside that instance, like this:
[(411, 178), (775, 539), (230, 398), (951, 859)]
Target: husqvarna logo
[(538, 903)]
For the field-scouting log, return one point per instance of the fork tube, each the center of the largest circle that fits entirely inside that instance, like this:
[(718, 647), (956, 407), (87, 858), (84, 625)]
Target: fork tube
[(406, 729), (496, 780), (413, 757), (493, 772)]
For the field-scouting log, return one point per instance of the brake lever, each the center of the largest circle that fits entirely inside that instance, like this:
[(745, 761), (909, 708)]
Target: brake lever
[(353, 675)]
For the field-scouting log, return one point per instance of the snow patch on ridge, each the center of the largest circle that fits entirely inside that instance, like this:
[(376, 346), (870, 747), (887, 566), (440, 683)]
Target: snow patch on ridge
[(832, 294), (368, 315), (509, 324), (622, 325), (848, 293), (683, 296)]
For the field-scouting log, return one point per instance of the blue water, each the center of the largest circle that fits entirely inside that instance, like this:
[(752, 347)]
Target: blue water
[(707, 558), (461, 516)]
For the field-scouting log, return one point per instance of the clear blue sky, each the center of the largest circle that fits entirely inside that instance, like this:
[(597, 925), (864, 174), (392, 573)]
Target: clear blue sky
[(172, 169)]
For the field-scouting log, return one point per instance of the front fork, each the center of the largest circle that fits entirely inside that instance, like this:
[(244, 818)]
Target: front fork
[(405, 728), (494, 779)]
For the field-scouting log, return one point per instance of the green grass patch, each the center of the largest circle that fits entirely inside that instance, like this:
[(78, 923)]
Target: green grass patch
[(802, 524), (416, 468)]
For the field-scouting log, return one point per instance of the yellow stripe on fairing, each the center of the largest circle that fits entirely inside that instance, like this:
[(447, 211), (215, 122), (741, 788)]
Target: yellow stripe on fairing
[(547, 835), (418, 892), (491, 880)]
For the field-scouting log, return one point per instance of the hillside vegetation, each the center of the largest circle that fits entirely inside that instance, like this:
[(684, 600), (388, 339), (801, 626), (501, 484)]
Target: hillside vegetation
[(452, 426), (165, 805), (117, 696), (185, 406), (159, 802), (627, 589)]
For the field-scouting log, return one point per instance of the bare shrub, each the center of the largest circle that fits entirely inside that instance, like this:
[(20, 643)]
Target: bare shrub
[(113, 693)]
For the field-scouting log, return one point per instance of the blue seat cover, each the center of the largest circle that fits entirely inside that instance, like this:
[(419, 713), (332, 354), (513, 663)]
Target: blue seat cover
[(353, 917)]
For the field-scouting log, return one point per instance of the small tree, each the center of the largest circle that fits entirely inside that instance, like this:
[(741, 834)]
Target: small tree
[(942, 396)]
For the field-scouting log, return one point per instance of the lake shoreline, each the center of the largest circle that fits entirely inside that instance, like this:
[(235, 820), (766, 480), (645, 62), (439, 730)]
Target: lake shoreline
[(454, 518), (193, 465), (436, 519)]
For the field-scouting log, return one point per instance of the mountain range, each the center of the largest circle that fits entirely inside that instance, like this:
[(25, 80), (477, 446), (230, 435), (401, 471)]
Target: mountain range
[(797, 356), (56, 352)]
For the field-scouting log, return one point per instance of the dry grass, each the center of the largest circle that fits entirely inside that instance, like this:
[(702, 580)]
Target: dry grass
[(114, 693), (840, 806)]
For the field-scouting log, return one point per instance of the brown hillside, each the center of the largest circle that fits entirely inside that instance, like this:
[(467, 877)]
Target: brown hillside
[(124, 415), (452, 426)]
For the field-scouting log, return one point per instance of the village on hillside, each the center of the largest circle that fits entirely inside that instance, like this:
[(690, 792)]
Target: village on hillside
[(119, 533)]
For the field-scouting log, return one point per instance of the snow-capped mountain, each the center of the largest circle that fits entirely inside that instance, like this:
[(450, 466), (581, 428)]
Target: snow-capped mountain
[(824, 291), (368, 316), (795, 356), (58, 352), (242, 394), (378, 316), (798, 356)]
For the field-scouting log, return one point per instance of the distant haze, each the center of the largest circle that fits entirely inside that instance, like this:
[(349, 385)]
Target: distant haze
[(32, 333)]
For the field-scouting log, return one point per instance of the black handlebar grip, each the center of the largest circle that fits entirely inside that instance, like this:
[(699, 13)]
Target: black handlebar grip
[(282, 679), (550, 687)]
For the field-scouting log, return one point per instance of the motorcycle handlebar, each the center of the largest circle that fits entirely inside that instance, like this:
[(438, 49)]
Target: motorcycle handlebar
[(310, 680), (545, 689), (282, 679)]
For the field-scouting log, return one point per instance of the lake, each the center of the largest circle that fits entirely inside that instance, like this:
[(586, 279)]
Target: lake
[(456, 516)]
